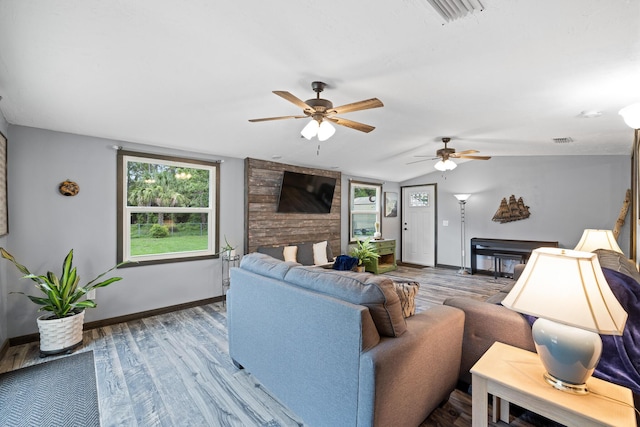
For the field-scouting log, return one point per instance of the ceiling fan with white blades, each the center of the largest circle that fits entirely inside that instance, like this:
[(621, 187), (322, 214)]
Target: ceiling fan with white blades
[(446, 154), (322, 111)]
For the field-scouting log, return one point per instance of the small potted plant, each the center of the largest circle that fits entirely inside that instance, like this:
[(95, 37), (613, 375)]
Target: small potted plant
[(61, 329), (365, 252), (228, 249)]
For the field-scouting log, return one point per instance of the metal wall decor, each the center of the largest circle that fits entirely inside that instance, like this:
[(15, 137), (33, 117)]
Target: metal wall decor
[(514, 210), (69, 188)]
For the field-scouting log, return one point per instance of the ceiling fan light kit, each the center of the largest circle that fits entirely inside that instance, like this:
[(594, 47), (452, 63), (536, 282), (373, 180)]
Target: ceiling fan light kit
[(322, 112), (446, 154), (447, 165), (325, 131), (310, 130), (322, 129)]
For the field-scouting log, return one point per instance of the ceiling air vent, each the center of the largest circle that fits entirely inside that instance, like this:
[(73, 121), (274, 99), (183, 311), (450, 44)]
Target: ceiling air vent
[(565, 140), (451, 10)]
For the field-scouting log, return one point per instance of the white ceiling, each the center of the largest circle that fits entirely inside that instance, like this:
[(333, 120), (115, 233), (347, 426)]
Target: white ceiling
[(189, 75)]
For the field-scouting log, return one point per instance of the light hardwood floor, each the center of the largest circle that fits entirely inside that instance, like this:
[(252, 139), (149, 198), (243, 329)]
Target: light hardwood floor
[(174, 369)]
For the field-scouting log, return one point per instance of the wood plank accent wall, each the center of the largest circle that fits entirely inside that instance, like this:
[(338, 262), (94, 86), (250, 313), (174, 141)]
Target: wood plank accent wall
[(265, 226)]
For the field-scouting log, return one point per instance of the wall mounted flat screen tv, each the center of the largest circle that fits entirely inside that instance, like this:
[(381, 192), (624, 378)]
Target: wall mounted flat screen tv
[(305, 193)]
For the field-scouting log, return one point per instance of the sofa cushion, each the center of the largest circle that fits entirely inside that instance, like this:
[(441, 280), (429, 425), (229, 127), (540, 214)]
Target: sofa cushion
[(273, 251), (290, 253), (497, 298), (330, 256), (407, 291), (320, 253), (375, 292), (617, 262), (266, 265), (305, 253)]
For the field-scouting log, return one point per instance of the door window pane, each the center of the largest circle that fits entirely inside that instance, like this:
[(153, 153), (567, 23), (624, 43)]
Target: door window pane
[(417, 200)]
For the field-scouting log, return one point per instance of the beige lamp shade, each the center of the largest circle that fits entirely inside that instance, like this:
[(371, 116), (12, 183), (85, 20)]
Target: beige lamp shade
[(597, 239), (567, 287)]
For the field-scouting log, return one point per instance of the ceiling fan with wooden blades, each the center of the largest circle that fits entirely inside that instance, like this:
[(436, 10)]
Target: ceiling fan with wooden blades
[(446, 154), (322, 112)]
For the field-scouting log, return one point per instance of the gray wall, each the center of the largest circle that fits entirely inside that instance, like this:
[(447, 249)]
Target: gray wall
[(4, 129), (565, 194), (44, 225)]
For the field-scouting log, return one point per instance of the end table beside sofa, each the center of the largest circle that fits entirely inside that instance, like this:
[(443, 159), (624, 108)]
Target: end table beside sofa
[(511, 374), (487, 322)]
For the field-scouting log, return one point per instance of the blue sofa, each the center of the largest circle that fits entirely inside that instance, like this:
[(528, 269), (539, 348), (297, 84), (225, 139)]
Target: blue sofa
[(334, 346)]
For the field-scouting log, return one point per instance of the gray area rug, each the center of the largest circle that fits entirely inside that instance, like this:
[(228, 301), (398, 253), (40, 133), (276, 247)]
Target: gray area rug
[(61, 392)]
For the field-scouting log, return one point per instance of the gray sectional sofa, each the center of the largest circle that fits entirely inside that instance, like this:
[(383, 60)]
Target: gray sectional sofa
[(486, 322), (334, 346)]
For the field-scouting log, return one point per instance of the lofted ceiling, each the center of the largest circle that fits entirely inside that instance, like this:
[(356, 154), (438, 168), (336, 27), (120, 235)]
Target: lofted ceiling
[(505, 81)]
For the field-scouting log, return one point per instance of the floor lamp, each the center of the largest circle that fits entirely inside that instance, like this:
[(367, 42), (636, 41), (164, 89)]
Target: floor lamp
[(631, 116), (462, 199)]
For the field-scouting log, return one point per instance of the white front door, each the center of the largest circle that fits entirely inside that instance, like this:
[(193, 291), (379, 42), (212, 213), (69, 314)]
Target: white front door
[(419, 225)]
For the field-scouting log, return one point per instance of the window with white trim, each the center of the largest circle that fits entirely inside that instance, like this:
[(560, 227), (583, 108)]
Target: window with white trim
[(167, 208), (364, 209)]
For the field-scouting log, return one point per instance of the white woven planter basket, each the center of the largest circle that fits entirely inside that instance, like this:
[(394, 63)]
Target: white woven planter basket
[(60, 335)]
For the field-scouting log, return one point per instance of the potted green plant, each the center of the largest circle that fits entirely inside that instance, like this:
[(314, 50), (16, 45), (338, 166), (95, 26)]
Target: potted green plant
[(61, 329), (228, 249), (365, 252)]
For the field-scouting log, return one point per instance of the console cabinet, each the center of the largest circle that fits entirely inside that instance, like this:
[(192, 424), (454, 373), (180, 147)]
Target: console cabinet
[(387, 260)]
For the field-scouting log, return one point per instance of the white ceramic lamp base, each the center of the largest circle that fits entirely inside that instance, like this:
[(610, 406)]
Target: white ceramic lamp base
[(568, 354)]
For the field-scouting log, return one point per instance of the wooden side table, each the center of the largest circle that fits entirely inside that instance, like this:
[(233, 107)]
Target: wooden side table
[(387, 260), (227, 263), (514, 375)]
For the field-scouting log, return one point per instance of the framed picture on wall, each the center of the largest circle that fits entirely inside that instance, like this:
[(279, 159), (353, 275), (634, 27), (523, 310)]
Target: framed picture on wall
[(390, 204), (4, 220)]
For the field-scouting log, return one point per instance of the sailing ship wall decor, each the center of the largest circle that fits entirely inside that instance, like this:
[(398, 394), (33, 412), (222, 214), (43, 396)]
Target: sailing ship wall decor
[(514, 210)]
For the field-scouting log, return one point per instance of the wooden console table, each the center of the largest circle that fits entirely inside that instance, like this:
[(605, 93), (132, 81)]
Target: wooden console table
[(493, 247)]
